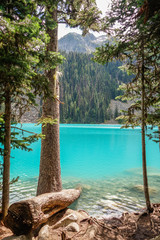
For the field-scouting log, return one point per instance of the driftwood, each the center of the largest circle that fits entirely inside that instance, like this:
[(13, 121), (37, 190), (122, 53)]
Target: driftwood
[(28, 215)]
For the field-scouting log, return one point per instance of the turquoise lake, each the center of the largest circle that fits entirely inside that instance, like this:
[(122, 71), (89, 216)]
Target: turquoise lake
[(104, 159)]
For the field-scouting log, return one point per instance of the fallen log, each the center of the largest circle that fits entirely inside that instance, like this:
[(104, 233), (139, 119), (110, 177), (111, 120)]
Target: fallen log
[(28, 215)]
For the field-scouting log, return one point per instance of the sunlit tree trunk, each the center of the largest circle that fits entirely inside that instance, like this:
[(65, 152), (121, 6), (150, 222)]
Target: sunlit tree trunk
[(50, 172), (7, 150), (145, 178)]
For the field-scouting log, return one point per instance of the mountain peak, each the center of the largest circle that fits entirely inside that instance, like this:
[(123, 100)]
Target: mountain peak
[(89, 37), (74, 42)]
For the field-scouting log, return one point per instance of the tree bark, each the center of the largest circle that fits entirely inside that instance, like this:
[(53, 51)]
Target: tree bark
[(27, 215), (145, 178), (7, 151), (159, 136), (50, 171)]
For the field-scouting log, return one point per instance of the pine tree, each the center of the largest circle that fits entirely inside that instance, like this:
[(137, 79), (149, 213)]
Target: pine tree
[(74, 13), (21, 66), (136, 46)]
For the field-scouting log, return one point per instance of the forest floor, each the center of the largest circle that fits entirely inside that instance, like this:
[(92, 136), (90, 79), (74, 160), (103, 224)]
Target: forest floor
[(131, 226)]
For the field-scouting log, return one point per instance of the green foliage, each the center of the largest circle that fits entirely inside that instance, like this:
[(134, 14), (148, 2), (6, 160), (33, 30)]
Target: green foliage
[(149, 13), (86, 89), (23, 60), (23, 55), (128, 47), (137, 46), (47, 120), (20, 139), (80, 13)]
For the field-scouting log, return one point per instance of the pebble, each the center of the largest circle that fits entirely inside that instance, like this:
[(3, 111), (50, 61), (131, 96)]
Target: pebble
[(73, 227)]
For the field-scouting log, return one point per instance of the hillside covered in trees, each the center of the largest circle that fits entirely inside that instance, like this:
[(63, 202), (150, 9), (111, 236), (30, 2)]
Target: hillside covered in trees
[(86, 89)]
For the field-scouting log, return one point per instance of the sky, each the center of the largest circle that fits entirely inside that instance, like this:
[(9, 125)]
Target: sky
[(103, 5)]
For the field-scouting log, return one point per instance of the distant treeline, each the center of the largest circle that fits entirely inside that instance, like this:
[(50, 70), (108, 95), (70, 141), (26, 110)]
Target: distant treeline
[(86, 89)]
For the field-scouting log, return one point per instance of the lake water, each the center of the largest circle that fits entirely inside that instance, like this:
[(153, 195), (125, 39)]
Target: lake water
[(104, 159)]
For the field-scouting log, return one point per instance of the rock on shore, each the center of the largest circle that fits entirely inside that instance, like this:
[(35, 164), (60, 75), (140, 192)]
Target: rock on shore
[(78, 225)]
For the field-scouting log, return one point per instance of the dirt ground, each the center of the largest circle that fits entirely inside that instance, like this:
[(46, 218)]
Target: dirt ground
[(131, 226)]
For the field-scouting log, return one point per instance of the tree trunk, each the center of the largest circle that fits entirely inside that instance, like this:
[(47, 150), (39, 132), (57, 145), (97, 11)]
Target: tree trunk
[(145, 178), (159, 136), (29, 214), (50, 172), (7, 150)]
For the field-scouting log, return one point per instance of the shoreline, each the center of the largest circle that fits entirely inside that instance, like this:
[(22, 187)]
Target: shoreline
[(79, 225)]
